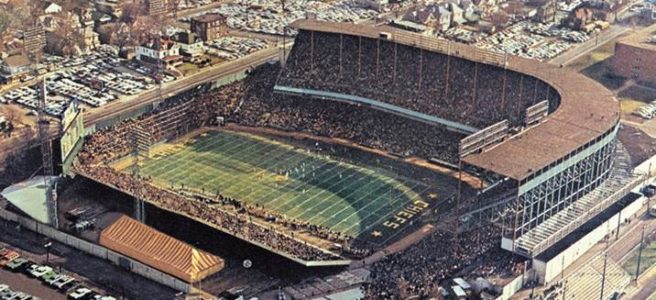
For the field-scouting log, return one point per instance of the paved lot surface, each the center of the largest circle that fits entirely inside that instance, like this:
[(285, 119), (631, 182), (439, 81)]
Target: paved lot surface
[(22, 283)]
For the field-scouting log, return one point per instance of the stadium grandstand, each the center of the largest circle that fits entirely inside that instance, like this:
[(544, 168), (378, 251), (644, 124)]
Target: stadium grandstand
[(552, 162), (540, 140)]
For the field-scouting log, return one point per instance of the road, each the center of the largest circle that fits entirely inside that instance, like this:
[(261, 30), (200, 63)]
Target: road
[(570, 56), (618, 248), (195, 10)]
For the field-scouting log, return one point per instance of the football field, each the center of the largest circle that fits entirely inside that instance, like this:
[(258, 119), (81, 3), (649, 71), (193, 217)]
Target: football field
[(360, 201)]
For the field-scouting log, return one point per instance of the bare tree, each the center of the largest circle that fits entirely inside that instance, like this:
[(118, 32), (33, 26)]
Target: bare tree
[(130, 11), (67, 39)]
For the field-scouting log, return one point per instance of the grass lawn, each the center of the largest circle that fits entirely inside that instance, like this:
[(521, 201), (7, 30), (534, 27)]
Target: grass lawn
[(300, 184), (600, 54), (596, 65), (628, 106), (187, 69)]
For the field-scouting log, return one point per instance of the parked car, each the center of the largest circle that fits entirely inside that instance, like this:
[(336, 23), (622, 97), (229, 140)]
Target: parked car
[(80, 294), (37, 271), (66, 285), (17, 264), (48, 275), (7, 257)]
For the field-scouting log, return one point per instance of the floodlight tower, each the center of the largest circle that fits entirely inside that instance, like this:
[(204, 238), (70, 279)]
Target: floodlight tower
[(34, 41), (139, 144)]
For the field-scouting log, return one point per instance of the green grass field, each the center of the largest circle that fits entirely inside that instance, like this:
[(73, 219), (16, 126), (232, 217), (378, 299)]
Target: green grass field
[(363, 202)]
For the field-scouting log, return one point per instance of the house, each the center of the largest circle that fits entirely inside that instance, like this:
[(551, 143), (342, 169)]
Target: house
[(546, 11), (471, 12), (579, 17), (457, 14), (15, 66), (162, 50), (432, 16), (51, 8), (190, 44), (155, 7), (377, 5), (209, 26)]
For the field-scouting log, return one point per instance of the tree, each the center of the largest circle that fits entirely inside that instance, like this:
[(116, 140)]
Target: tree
[(67, 39), (130, 11), (499, 19)]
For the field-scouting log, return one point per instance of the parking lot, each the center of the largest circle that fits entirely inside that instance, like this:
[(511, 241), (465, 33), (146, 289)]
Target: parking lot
[(533, 40), (20, 283), (93, 80), (83, 268), (265, 16), (231, 48), (21, 278)]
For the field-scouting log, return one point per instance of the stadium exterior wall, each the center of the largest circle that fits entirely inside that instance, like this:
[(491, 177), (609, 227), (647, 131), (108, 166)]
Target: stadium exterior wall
[(98, 251), (552, 189), (512, 288), (547, 271)]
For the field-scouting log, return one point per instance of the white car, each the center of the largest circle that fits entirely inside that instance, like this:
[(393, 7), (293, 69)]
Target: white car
[(55, 279), (38, 271), (79, 293), (65, 284)]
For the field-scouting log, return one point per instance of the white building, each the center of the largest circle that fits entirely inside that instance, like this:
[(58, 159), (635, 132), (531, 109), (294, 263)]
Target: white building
[(165, 50), (52, 8), (377, 5), (190, 45)]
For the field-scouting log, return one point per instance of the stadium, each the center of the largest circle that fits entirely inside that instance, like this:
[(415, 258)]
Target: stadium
[(361, 134)]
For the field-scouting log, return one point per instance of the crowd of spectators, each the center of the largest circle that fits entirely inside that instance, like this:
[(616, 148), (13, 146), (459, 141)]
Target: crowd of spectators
[(238, 224), (449, 87), (422, 268)]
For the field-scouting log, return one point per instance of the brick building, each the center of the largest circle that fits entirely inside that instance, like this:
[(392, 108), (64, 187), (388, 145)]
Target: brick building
[(209, 26), (635, 56)]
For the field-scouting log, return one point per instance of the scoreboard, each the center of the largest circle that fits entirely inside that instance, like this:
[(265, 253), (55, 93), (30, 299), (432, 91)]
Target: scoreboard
[(72, 135)]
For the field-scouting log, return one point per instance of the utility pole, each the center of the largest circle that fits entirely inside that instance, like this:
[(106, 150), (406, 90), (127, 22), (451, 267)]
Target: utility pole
[(603, 274), (642, 240)]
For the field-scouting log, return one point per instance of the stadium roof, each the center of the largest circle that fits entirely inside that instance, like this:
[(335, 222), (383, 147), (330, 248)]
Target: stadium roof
[(160, 251), (29, 197), (587, 109)]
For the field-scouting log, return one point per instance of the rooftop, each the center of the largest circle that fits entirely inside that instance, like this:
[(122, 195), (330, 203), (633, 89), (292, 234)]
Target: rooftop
[(29, 197), (644, 38), (208, 18), (165, 253), (17, 61), (587, 109)]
